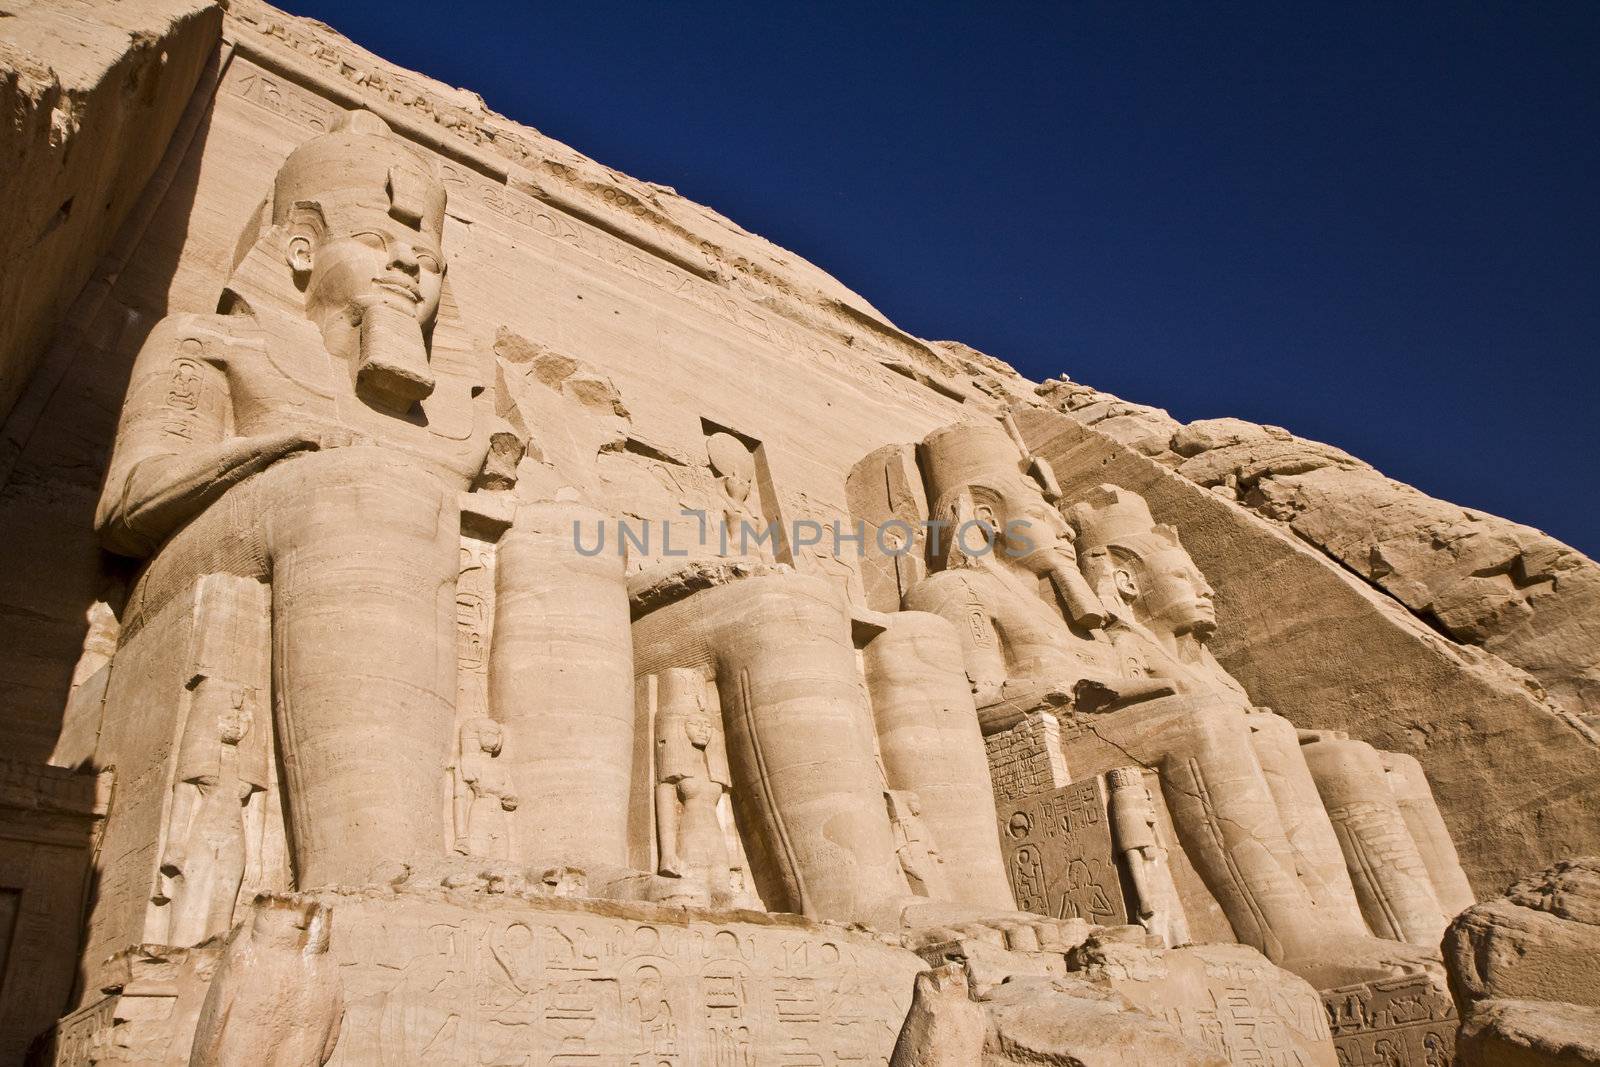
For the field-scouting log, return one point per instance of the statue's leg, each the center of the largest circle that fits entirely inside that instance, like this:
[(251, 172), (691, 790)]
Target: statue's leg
[(1411, 791), (1316, 847), (1390, 878), (364, 550), (561, 683), (1224, 815), (931, 745), (800, 739)]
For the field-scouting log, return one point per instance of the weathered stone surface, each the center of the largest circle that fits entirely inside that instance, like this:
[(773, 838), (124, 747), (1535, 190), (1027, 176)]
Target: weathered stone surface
[(429, 591), (1409, 1019), (1481, 580), (1522, 970), (1324, 649), (92, 92)]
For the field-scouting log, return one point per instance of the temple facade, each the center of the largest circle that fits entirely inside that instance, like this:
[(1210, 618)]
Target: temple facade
[(470, 606)]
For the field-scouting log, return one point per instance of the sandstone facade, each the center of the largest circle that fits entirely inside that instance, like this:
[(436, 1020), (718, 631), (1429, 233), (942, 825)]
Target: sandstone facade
[(471, 606)]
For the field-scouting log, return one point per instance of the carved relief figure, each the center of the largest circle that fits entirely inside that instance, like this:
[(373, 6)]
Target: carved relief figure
[(483, 794), (1133, 829), (315, 434), (222, 765), (691, 770), (734, 466), (919, 855)]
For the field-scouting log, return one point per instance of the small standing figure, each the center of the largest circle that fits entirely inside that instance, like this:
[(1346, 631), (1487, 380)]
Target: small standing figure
[(484, 798), (222, 764), (735, 468), (691, 778), (1133, 829), (919, 858)]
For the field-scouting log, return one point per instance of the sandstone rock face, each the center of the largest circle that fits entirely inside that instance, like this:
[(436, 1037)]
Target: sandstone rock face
[(93, 91), (1521, 969), (1324, 649), (469, 606), (1479, 579)]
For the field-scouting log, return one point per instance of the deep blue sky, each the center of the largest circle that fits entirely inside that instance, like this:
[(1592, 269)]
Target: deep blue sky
[(1377, 225)]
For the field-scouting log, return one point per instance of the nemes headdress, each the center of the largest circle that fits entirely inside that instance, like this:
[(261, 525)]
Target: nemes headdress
[(357, 166)]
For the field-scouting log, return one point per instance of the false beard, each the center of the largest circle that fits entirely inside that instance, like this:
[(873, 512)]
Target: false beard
[(392, 369)]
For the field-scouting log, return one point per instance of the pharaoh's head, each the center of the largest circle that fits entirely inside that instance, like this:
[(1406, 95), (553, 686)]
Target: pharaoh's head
[(1131, 559), (977, 484), (363, 215)]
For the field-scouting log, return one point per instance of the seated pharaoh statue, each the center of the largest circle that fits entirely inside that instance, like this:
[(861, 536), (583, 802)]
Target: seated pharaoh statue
[(1117, 647), (314, 435)]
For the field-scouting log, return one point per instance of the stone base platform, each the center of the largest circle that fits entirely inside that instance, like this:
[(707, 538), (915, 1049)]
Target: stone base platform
[(451, 977)]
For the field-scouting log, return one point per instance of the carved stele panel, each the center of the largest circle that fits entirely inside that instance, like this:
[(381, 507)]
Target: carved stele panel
[(448, 980), (1026, 760), (1406, 1020), (1059, 855)]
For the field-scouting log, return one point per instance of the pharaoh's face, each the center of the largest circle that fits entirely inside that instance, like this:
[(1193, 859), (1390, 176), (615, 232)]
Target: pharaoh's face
[(1173, 594), (1034, 535), (378, 260), (699, 732)]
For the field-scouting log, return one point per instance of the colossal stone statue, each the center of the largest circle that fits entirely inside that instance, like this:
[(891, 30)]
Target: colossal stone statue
[(804, 744), (314, 435), (1141, 684)]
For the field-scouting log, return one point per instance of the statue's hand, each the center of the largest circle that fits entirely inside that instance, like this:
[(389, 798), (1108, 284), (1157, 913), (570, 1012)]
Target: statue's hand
[(314, 439), (508, 802)]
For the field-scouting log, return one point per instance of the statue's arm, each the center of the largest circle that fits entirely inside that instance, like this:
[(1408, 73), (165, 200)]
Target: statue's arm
[(173, 455)]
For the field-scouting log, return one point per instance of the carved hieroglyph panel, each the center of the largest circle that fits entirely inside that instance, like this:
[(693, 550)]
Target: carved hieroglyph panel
[(1059, 855), (440, 982), (1405, 1021)]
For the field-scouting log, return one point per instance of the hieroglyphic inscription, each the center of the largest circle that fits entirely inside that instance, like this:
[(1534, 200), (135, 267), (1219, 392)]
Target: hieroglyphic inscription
[(1238, 1008), (1026, 760), (446, 983), (1396, 1022), (1059, 857), (474, 615), (281, 97)]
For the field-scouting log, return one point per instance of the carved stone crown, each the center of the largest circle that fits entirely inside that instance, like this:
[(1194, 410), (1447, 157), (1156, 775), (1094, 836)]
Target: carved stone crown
[(965, 454), (361, 164), (1111, 515)]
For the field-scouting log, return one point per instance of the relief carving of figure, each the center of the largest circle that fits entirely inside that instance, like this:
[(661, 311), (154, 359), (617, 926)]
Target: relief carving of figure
[(691, 770), (483, 794), (222, 765)]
